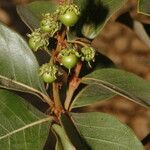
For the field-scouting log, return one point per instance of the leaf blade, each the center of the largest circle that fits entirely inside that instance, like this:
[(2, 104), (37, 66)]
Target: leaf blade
[(17, 61), (20, 123), (91, 94), (143, 7), (102, 131), (123, 83), (31, 13)]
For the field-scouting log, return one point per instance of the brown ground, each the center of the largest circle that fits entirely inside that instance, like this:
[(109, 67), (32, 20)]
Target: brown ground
[(127, 51)]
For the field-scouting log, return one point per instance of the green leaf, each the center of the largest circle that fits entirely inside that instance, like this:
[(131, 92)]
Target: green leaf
[(91, 94), (102, 131), (63, 142), (123, 83), (94, 15), (31, 13), (22, 126), (19, 67), (72, 133), (144, 7)]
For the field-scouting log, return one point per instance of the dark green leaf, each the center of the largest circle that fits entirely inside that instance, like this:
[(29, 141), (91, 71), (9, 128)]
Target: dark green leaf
[(22, 126), (91, 94), (72, 133), (94, 15), (31, 13), (19, 67), (123, 83), (63, 142), (104, 132), (144, 7)]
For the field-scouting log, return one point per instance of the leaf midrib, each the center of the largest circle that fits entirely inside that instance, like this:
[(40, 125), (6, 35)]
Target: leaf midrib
[(26, 126), (29, 89), (115, 89), (90, 126)]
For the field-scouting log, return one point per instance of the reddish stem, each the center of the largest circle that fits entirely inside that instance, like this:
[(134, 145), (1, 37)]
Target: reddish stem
[(73, 85), (58, 108)]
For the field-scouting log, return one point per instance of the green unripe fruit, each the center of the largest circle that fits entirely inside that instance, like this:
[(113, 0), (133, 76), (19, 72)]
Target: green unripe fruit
[(48, 73), (69, 61), (37, 40), (33, 43), (68, 14), (49, 25), (45, 25), (68, 57), (48, 78), (69, 18), (88, 54)]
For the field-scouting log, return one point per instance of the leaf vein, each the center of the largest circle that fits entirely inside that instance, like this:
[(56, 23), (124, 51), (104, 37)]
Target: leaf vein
[(25, 127), (105, 141)]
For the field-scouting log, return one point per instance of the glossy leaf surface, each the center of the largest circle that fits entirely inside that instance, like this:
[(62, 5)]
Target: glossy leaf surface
[(121, 82), (22, 125), (19, 67)]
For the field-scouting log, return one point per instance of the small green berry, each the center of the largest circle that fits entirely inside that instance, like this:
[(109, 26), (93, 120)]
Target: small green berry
[(68, 19), (48, 73), (48, 78), (88, 54), (33, 43), (49, 25), (68, 14), (37, 40), (69, 61), (68, 58)]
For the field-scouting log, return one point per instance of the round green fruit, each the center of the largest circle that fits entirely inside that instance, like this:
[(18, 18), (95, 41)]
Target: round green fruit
[(69, 18), (33, 43), (69, 61), (48, 78), (45, 25)]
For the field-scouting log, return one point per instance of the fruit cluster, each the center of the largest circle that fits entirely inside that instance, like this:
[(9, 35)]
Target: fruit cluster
[(68, 55), (51, 23)]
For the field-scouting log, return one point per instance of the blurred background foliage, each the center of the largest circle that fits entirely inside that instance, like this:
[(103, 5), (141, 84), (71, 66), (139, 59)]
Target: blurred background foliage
[(126, 43)]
